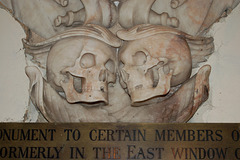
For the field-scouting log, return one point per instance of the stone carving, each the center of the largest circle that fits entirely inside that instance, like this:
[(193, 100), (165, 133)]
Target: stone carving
[(102, 12), (177, 3), (131, 14), (132, 62), (150, 63), (94, 64), (63, 3)]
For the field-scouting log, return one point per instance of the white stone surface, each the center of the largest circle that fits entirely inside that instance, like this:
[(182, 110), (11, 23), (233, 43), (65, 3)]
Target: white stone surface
[(13, 81), (222, 105), (224, 101)]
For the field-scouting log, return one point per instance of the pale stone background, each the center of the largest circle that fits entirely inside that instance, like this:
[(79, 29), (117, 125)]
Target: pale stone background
[(222, 105)]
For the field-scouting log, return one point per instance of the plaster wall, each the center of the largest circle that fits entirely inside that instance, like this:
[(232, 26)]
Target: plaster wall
[(13, 81), (222, 105)]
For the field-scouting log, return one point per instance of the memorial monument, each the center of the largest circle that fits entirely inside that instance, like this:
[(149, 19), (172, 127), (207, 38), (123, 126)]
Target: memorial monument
[(118, 61)]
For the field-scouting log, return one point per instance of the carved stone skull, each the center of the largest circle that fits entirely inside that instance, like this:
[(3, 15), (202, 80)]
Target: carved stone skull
[(151, 63), (81, 67)]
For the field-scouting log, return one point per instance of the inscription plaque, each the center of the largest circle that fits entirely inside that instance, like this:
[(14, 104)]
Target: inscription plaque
[(119, 141)]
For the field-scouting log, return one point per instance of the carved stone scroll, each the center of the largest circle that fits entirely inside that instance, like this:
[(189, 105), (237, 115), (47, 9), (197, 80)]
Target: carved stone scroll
[(131, 14), (102, 12)]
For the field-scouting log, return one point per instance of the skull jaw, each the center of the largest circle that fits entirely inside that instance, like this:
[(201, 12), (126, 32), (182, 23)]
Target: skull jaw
[(141, 95), (142, 88), (92, 97), (144, 96), (92, 93)]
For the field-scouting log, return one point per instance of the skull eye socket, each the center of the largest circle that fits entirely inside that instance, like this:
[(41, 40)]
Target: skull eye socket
[(87, 60), (139, 58)]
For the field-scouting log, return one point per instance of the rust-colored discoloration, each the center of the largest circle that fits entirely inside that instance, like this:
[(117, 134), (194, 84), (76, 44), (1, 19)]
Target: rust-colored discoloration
[(197, 10), (155, 60), (160, 53), (79, 67), (179, 107), (149, 85)]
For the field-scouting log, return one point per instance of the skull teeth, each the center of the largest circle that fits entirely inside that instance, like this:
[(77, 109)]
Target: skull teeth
[(77, 84)]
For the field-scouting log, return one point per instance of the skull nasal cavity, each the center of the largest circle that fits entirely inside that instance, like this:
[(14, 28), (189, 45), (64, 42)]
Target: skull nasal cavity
[(77, 84), (87, 60), (139, 58), (110, 66)]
